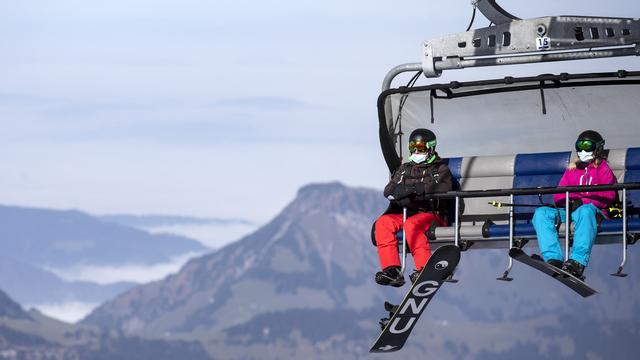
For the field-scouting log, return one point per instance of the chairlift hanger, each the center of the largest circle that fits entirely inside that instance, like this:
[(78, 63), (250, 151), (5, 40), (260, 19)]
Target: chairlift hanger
[(512, 40)]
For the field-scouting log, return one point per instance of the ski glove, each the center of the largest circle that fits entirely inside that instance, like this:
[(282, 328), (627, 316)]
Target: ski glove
[(573, 203), (402, 191)]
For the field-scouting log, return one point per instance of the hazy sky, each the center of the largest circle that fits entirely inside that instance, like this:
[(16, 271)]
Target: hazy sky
[(213, 108)]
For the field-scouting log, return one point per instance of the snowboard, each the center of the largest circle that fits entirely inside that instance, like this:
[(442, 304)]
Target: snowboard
[(564, 277), (396, 331)]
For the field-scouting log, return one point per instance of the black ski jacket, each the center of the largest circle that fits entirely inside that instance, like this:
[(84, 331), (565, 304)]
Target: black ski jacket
[(411, 182)]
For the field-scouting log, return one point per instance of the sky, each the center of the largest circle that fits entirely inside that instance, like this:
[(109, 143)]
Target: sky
[(214, 108)]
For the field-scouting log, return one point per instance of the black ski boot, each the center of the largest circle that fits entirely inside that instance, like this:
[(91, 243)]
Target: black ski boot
[(413, 277), (391, 308), (555, 263), (390, 276), (574, 268)]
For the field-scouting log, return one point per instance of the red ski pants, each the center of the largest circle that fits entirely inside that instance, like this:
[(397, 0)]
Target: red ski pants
[(415, 227)]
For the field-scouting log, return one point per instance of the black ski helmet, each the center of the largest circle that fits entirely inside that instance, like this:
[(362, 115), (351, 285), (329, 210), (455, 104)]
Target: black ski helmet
[(424, 136), (593, 137)]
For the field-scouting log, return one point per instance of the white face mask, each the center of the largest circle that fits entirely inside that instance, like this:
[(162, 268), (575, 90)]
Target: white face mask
[(585, 156), (418, 158)]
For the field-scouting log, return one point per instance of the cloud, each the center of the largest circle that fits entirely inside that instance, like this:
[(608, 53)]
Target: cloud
[(213, 236), (172, 122), (131, 273), (69, 311)]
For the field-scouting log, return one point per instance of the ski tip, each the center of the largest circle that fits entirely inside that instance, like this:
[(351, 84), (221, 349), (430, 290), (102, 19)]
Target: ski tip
[(385, 349)]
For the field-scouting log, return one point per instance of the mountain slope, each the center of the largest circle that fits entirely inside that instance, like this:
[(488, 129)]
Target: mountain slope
[(10, 309), (295, 261), (34, 336), (302, 286)]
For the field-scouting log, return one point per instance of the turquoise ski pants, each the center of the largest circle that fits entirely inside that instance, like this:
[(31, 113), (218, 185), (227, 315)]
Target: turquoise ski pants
[(586, 227)]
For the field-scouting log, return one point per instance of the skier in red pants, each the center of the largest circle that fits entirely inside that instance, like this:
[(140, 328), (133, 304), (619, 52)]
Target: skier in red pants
[(424, 173)]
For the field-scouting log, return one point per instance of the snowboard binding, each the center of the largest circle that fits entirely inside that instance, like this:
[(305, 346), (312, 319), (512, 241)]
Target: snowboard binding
[(391, 308)]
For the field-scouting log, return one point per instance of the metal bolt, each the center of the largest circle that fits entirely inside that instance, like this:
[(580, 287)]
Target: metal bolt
[(541, 29)]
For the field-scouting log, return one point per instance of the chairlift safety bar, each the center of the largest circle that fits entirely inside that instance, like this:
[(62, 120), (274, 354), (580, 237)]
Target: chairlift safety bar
[(532, 191)]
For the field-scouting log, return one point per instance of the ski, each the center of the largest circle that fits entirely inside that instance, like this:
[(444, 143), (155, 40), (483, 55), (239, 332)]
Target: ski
[(564, 277), (398, 327)]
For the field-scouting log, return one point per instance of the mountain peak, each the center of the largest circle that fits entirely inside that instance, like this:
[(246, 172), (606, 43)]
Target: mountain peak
[(323, 187), (335, 197)]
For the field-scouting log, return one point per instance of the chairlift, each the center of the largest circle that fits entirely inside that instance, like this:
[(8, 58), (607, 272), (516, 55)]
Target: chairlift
[(510, 111)]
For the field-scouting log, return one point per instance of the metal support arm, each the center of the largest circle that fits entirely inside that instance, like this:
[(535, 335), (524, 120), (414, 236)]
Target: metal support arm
[(551, 38)]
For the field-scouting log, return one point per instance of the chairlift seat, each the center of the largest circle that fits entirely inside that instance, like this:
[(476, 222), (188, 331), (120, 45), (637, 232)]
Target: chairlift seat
[(488, 226)]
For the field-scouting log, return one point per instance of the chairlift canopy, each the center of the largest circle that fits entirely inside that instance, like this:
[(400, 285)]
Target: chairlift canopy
[(512, 115)]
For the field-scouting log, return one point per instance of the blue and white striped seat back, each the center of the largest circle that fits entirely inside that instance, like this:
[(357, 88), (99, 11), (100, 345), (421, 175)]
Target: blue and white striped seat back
[(484, 173), (538, 170), (616, 160)]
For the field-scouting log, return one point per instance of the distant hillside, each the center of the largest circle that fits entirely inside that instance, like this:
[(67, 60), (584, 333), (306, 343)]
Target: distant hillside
[(34, 336), (31, 285), (62, 239), (144, 221), (302, 287), (35, 242)]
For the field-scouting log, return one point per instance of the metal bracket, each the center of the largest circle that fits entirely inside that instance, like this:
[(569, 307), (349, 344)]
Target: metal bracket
[(520, 242), (619, 273), (428, 62), (464, 245), (514, 41), (505, 276)]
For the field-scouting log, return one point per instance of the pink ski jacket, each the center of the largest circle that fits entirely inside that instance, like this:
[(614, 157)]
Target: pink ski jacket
[(590, 175)]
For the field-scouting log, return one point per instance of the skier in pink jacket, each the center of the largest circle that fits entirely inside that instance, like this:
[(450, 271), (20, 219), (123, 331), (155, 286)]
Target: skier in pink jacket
[(590, 168)]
